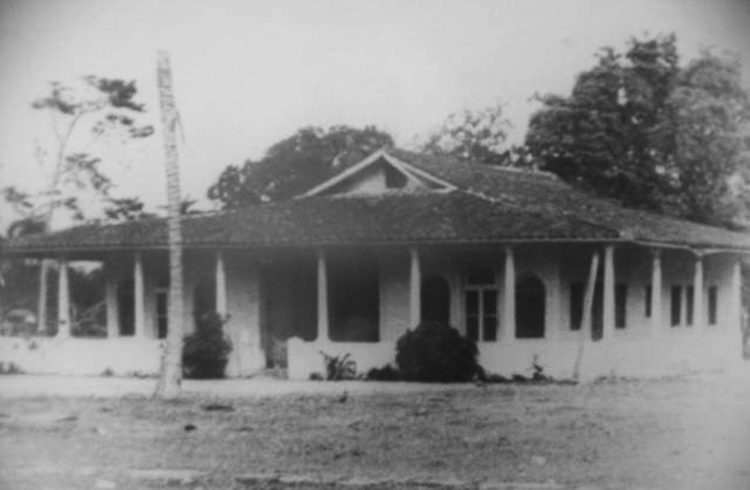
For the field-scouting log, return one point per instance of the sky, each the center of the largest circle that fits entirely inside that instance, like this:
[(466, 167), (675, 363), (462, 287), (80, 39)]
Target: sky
[(249, 73)]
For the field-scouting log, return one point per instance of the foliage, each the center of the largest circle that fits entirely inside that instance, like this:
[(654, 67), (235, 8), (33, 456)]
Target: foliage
[(295, 164), (473, 136), (206, 351), (436, 352), (640, 128), (125, 209), (81, 113), (385, 373), (339, 368)]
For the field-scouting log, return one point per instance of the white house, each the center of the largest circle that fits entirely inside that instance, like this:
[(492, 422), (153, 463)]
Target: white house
[(506, 256)]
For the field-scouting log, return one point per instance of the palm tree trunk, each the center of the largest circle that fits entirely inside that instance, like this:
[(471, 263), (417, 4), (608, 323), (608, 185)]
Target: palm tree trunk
[(170, 376)]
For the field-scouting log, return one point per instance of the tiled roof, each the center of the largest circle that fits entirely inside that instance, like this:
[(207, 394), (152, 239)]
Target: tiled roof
[(490, 205), (405, 218)]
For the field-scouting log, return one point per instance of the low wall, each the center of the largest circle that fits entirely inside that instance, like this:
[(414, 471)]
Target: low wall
[(305, 358), (674, 353), (121, 356)]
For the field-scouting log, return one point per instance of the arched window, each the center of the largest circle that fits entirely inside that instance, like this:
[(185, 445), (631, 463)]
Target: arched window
[(436, 299), (530, 308)]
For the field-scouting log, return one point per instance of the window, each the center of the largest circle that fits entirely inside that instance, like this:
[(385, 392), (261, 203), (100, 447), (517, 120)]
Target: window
[(162, 313), (689, 302), (676, 305), (481, 305), (577, 291), (713, 297), (621, 304), (126, 307), (436, 299), (577, 297), (354, 299), (530, 308), (649, 300)]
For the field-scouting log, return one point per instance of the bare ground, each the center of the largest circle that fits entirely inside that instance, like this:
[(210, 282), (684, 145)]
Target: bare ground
[(675, 434)]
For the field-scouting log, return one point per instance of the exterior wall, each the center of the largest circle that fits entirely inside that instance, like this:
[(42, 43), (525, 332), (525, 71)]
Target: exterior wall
[(636, 350), (132, 355), (394, 297), (370, 181), (243, 308), (124, 356)]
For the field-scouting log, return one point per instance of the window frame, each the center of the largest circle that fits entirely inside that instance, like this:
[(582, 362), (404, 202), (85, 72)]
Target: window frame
[(481, 289)]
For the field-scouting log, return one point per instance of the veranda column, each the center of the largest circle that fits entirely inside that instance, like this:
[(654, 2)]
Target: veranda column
[(509, 299), (656, 326), (323, 323), (113, 308), (415, 289), (63, 300), (608, 329), (698, 319), (221, 286), (736, 317), (140, 298)]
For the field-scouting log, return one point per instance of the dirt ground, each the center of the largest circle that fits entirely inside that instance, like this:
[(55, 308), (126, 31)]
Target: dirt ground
[(690, 433)]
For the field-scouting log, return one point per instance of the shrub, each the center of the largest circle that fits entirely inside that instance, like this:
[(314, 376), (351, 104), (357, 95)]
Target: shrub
[(339, 368), (385, 373), (205, 352), (436, 352)]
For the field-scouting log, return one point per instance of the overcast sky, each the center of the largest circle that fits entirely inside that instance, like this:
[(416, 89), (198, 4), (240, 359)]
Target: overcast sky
[(250, 73)]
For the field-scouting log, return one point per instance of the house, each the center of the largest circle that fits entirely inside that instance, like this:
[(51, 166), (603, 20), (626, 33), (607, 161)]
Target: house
[(508, 257)]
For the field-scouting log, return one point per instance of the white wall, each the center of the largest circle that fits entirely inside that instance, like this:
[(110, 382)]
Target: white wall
[(634, 351), (122, 356), (637, 350)]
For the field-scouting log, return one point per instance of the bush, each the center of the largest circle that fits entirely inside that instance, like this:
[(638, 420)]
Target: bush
[(339, 368), (205, 352), (436, 352), (385, 373)]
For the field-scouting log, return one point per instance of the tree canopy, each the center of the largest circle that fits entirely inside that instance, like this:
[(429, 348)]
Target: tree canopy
[(90, 109), (654, 134), (295, 164), (478, 136)]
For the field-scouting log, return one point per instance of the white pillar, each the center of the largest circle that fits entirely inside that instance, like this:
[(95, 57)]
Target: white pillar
[(415, 289), (323, 323), (656, 325), (221, 286), (509, 297), (608, 329), (63, 300), (113, 307), (735, 315), (699, 321), (140, 297)]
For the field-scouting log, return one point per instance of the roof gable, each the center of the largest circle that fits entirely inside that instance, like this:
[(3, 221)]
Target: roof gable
[(380, 173)]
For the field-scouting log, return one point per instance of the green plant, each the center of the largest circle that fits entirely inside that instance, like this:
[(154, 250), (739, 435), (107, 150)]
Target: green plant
[(339, 367), (436, 352), (385, 373), (205, 352)]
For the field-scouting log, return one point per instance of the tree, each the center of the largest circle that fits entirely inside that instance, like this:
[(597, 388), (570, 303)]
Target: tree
[(104, 106), (473, 136), (170, 376), (126, 209), (641, 128), (295, 164)]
